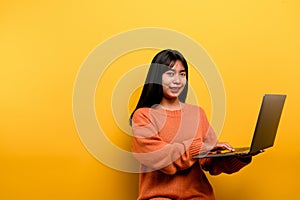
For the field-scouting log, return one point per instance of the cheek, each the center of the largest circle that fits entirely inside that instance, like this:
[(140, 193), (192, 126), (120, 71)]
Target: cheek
[(166, 80), (183, 81)]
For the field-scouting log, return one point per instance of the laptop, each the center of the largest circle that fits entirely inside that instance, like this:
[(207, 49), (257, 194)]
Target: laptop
[(265, 130)]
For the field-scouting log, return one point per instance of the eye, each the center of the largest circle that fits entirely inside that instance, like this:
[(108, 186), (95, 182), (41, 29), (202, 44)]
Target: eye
[(170, 73), (182, 74)]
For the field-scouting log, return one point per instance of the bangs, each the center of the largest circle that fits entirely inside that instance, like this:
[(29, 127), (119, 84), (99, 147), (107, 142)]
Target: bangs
[(172, 63)]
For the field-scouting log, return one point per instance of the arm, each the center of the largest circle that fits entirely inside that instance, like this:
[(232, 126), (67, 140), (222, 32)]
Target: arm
[(228, 165), (154, 152)]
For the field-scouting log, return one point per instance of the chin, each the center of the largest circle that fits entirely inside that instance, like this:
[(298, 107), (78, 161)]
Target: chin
[(172, 96)]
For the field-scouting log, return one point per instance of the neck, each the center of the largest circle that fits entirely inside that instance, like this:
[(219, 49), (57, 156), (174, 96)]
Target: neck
[(170, 104)]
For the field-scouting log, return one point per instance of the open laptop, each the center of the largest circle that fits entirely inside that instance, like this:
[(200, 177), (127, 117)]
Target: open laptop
[(265, 130)]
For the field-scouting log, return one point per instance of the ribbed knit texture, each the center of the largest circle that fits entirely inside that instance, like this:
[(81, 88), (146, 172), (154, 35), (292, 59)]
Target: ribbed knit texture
[(165, 142)]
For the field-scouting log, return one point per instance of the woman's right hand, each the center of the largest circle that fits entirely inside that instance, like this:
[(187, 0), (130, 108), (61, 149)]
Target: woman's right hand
[(222, 146)]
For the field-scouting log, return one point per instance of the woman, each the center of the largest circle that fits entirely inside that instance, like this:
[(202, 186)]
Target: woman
[(168, 133)]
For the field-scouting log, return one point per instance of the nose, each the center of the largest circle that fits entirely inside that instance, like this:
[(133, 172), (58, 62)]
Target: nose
[(176, 79)]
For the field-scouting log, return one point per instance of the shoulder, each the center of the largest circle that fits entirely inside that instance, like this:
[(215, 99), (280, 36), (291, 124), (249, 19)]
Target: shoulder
[(141, 116), (141, 112), (146, 115)]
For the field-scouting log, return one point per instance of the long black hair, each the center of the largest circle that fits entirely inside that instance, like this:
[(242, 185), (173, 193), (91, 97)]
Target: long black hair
[(152, 92)]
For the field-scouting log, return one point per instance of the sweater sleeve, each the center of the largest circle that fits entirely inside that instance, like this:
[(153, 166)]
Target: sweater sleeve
[(228, 165), (155, 153)]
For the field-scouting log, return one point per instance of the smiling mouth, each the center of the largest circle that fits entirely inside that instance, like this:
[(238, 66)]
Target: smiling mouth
[(175, 89)]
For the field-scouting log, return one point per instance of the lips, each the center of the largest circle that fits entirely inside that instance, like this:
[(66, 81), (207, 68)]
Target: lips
[(174, 89)]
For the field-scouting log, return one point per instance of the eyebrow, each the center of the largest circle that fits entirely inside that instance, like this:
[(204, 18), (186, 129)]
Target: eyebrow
[(175, 70)]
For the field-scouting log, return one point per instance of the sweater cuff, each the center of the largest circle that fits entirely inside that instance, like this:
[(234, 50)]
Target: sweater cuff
[(245, 159), (195, 147), (238, 162)]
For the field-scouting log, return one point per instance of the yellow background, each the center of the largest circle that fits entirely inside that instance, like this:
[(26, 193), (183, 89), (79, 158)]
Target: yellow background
[(255, 45)]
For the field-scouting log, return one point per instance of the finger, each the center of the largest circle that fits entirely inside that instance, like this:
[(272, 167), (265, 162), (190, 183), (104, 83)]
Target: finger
[(228, 146)]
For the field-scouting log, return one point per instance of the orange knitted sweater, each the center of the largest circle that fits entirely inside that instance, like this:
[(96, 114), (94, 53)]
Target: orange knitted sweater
[(165, 142)]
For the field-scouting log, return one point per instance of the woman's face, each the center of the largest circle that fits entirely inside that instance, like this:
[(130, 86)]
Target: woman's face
[(174, 81)]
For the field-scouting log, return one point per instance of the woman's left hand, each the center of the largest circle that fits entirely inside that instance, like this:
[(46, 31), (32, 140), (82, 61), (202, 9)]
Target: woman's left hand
[(249, 156)]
